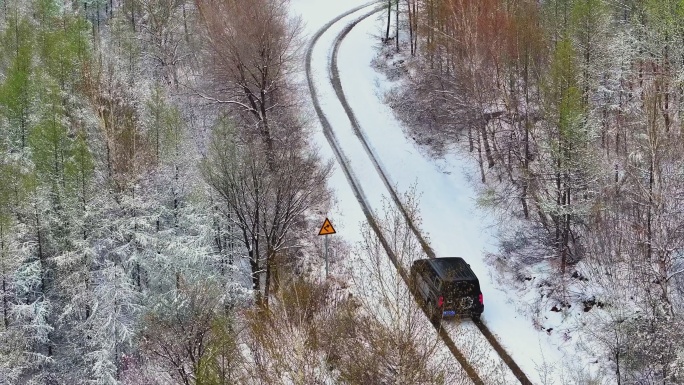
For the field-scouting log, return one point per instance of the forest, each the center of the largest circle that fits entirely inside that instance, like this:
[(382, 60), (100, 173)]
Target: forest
[(159, 187), (155, 169), (573, 111), (157, 206)]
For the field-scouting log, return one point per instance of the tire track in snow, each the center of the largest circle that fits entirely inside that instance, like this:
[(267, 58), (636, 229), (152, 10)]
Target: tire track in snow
[(358, 191), (337, 85)]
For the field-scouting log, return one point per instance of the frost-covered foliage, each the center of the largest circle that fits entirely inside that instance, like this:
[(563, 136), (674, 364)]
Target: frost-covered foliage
[(394, 341), (572, 110), (103, 214), (111, 241), (260, 161)]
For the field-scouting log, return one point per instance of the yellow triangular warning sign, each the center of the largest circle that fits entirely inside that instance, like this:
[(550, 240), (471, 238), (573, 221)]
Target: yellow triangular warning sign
[(327, 228)]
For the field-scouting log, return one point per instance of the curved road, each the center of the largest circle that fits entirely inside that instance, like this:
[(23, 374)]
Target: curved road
[(361, 198)]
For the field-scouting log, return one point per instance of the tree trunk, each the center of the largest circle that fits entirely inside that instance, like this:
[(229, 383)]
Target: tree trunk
[(617, 366), (133, 15), (526, 160), (488, 150), (651, 182), (389, 19), (479, 158), (566, 227), (430, 34), (185, 25), (415, 27), (526, 169), (267, 283), (218, 240), (396, 35), (558, 241), (253, 262), (43, 275), (5, 304), (41, 256), (410, 23)]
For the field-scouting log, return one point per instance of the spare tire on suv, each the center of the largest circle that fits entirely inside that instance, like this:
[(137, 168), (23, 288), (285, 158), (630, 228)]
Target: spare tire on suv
[(449, 286)]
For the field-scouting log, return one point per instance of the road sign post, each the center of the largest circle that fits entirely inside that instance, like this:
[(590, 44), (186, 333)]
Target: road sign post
[(326, 230), (326, 255)]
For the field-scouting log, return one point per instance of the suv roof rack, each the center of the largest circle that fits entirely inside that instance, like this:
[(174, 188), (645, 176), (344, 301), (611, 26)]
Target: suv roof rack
[(451, 269)]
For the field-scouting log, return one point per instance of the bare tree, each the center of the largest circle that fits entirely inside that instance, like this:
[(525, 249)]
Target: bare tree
[(164, 27), (190, 337), (265, 202), (292, 342), (263, 167), (253, 47), (397, 342)]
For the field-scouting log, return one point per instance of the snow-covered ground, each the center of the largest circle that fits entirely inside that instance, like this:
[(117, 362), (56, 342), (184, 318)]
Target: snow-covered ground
[(447, 203), (346, 215)]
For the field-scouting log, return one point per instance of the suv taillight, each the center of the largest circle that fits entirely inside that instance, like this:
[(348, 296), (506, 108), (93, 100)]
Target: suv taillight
[(481, 299), (440, 301)]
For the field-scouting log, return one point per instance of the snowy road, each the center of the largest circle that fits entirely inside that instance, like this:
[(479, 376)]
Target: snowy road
[(375, 160), (368, 171), (349, 170), (451, 220)]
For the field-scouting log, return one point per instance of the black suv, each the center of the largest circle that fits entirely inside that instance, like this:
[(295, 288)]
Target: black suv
[(448, 288)]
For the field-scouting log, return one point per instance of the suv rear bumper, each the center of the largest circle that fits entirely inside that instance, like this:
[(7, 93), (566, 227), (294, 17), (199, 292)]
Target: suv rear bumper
[(474, 312)]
